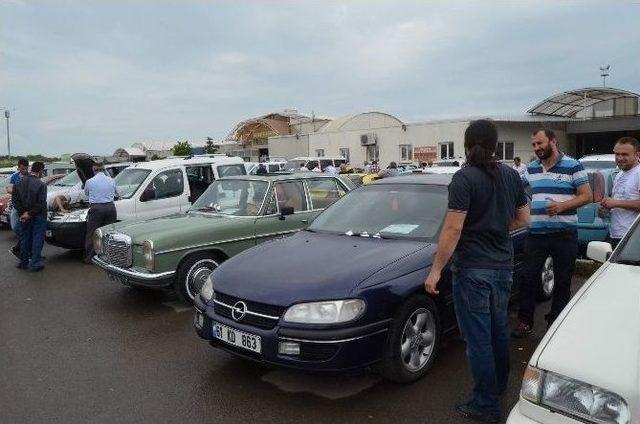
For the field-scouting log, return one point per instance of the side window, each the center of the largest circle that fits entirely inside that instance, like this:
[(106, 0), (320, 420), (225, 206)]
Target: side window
[(325, 162), (272, 205), (324, 192), (199, 178), (229, 170), (165, 184), (291, 194)]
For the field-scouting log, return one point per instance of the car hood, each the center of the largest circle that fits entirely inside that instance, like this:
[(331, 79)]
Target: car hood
[(171, 232), (311, 266), (597, 340)]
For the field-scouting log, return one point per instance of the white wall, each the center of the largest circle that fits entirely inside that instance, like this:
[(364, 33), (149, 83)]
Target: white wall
[(289, 146)]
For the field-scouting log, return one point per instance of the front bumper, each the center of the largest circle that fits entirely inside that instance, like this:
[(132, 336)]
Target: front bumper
[(320, 350), (134, 277), (68, 235), (525, 412)]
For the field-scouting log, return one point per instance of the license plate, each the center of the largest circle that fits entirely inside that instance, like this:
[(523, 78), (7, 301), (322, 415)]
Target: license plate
[(237, 338), (47, 233)]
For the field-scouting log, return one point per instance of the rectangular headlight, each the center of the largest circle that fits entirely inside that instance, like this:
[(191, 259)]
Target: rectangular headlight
[(97, 241), (149, 255), (581, 400), (327, 312)]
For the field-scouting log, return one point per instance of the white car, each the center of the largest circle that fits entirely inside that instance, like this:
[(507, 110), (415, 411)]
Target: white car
[(587, 367), (146, 190), (596, 162)]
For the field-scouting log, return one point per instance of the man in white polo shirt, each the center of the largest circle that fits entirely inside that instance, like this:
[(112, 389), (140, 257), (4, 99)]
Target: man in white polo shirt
[(624, 203)]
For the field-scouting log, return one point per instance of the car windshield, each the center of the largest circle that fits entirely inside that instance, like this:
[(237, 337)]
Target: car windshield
[(128, 181), (630, 250), (232, 197), (398, 211), (68, 180), (598, 164)]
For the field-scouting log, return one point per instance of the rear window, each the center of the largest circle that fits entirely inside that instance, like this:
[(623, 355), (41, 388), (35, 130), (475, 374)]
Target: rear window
[(598, 164), (231, 170)]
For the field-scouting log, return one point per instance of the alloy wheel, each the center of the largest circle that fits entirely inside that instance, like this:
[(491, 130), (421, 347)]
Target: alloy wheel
[(418, 340), (548, 278)]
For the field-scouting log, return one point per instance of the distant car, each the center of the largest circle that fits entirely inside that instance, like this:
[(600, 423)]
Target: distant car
[(5, 200), (596, 162), (346, 293), (235, 213), (310, 162), (586, 368)]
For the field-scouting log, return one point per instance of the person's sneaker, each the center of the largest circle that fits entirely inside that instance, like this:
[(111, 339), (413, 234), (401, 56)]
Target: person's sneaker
[(522, 330), (467, 410)]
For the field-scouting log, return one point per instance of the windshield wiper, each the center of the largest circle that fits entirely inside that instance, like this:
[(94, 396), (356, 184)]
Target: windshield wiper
[(628, 262)]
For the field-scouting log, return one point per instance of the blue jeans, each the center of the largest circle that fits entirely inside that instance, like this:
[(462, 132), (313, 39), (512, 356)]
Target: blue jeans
[(31, 241), (14, 219), (481, 299)]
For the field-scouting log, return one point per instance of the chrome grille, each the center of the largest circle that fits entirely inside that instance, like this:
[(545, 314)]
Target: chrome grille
[(117, 250)]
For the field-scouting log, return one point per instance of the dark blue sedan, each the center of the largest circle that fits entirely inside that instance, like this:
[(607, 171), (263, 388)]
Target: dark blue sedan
[(345, 293)]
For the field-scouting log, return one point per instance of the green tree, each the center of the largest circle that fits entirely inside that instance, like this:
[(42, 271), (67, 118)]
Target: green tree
[(209, 148), (182, 148)]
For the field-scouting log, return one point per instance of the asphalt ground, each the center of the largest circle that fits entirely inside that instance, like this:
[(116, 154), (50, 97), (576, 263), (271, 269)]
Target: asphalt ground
[(76, 347)]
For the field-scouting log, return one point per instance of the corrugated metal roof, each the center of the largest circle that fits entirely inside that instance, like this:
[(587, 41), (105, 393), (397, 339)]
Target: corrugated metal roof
[(569, 103)]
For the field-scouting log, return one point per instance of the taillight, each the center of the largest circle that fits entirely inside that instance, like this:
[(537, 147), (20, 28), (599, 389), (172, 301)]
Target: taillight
[(596, 180)]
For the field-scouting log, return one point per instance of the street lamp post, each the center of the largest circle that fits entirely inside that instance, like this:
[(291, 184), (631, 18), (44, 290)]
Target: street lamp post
[(6, 115)]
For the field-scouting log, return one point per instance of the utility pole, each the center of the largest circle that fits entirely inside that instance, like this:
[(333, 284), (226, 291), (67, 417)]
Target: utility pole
[(6, 115)]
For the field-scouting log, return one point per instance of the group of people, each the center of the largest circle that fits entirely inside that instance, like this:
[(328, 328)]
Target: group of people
[(487, 201), (29, 213)]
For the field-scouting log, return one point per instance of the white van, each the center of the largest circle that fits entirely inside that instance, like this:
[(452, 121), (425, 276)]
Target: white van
[(296, 164), (147, 190)]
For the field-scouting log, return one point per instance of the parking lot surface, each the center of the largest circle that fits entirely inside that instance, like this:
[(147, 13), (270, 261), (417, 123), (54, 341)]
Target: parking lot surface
[(78, 348)]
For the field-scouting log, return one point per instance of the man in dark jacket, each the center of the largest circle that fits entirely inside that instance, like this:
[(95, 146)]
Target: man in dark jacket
[(29, 197)]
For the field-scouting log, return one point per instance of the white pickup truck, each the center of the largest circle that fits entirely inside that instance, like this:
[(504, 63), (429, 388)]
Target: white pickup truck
[(146, 190)]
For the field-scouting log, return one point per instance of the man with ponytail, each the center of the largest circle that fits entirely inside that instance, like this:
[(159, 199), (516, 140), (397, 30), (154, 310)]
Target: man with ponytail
[(486, 201)]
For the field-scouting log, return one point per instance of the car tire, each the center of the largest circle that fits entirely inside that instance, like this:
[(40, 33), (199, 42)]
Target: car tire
[(192, 274), (547, 281), (411, 345)]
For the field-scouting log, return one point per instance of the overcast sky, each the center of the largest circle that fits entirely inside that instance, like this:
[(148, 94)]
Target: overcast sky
[(93, 76)]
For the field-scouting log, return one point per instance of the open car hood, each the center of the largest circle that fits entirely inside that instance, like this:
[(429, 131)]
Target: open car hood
[(84, 164)]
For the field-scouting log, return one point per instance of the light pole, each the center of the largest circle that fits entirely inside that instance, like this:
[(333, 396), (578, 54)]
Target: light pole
[(604, 73), (6, 115)]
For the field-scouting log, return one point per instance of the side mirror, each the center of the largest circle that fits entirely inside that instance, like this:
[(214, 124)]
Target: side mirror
[(286, 210), (599, 251)]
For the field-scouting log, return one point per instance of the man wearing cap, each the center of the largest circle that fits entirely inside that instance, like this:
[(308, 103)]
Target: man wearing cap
[(100, 191)]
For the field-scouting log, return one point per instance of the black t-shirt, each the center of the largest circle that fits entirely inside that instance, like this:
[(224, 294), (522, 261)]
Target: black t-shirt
[(490, 206)]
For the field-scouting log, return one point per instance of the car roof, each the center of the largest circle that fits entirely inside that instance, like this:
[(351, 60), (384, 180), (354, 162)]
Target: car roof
[(196, 160), (427, 179), (280, 176), (607, 157)]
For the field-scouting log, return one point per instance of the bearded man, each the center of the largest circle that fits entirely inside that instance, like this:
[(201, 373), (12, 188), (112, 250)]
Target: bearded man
[(559, 186)]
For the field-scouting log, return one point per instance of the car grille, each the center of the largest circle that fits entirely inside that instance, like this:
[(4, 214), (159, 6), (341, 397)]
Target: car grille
[(255, 307), (117, 250)]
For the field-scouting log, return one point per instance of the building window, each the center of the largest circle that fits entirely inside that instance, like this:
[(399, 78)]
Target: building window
[(344, 152), (504, 150), (373, 153), (446, 150), (320, 153), (406, 152)]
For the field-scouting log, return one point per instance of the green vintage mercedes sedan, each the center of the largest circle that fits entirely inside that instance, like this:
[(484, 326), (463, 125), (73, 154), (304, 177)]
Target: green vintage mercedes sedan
[(235, 213)]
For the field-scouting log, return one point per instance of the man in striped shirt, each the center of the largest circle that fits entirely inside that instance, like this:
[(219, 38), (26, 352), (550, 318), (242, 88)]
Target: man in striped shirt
[(559, 186)]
